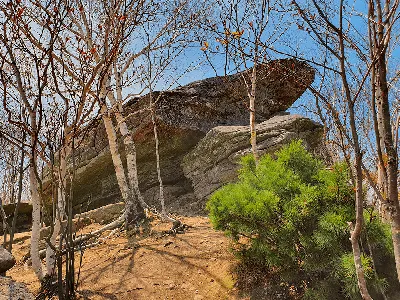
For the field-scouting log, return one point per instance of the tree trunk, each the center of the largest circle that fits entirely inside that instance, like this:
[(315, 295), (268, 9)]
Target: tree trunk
[(59, 212), (354, 234), (252, 96), (362, 285), (380, 31), (133, 210), (19, 196), (161, 197), (129, 145), (392, 169), (35, 235), (392, 161)]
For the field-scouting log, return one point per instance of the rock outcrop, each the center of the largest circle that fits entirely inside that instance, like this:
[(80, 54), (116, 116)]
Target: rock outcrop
[(184, 116), (7, 260), (204, 104), (24, 217), (214, 161)]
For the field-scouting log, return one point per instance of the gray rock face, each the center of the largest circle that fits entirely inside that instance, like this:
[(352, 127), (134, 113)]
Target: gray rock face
[(214, 161), (9, 289), (24, 217), (7, 260), (202, 105), (184, 116)]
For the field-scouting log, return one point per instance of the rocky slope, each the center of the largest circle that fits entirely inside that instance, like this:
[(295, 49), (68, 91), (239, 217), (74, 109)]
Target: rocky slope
[(184, 116)]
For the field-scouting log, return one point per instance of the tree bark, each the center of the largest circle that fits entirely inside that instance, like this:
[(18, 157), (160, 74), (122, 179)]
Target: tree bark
[(19, 196), (133, 210), (161, 185), (362, 285), (35, 235), (354, 234), (252, 98), (392, 165), (385, 128), (59, 212)]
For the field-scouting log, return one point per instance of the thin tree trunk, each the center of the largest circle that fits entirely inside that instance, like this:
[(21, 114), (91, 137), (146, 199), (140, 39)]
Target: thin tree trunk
[(132, 214), (59, 212), (6, 228), (130, 150), (129, 144), (161, 196), (252, 96), (362, 285), (354, 234), (392, 167), (156, 141), (384, 119), (19, 196), (35, 235), (381, 172)]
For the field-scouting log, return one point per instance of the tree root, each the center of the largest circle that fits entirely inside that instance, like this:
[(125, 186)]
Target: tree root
[(113, 225), (79, 243)]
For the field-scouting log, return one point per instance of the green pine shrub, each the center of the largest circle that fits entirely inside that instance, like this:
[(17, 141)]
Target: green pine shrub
[(289, 215)]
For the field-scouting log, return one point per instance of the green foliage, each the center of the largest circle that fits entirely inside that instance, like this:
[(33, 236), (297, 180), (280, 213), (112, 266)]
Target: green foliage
[(347, 272), (290, 215)]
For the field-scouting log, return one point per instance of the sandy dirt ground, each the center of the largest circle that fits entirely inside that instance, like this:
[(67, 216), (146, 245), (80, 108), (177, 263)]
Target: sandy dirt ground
[(194, 265)]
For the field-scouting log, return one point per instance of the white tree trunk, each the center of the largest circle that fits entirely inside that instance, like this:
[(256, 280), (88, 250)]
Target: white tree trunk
[(131, 211), (129, 143), (130, 150), (162, 200), (60, 208), (116, 158), (50, 254), (35, 235)]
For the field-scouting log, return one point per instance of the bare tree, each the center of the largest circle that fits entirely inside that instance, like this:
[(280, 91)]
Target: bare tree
[(243, 30), (28, 37), (382, 16), (343, 43), (115, 65)]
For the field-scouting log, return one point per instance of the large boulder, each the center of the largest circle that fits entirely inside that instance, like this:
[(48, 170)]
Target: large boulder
[(204, 104), (184, 116), (215, 159), (7, 260)]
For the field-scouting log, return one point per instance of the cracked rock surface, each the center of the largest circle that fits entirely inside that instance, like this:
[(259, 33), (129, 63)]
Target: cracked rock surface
[(215, 159), (184, 116)]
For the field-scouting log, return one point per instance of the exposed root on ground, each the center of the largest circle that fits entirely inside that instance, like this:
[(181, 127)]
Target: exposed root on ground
[(83, 242)]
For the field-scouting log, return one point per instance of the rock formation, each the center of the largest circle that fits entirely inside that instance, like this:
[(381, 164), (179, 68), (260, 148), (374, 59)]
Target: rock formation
[(214, 161), (184, 116), (24, 217), (202, 105), (7, 260)]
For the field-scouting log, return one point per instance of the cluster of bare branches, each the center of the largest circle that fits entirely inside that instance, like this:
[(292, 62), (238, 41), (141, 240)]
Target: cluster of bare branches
[(64, 64), (357, 104), (355, 94)]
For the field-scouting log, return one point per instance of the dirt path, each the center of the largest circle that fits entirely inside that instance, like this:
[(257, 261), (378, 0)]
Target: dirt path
[(194, 265)]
